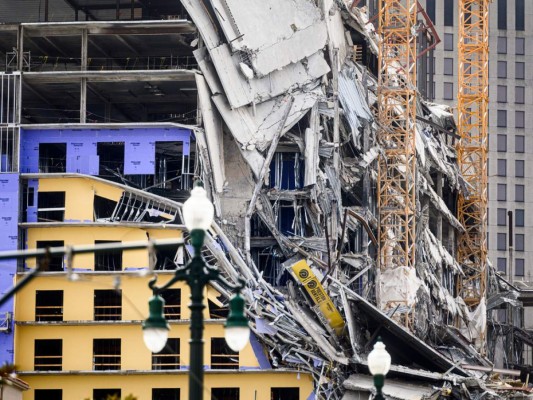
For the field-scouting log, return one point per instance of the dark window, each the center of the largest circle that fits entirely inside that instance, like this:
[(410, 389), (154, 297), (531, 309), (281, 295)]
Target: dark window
[(501, 94), (56, 262), (48, 355), (287, 171), (520, 46), (502, 14), (217, 311), (165, 394), (519, 143), (502, 69), (110, 260), (49, 305), (169, 357), (166, 259), (501, 217), (501, 241), (519, 267), (519, 168), (502, 265), (281, 393), (502, 45), (501, 118), (269, 263), (519, 242), (519, 94), (222, 357), (103, 208), (52, 157), (172, 299), (107, 305), (502, 167), (50, 206), (171, 172), (111, 157), (106, 354), (448, 41), (519, 193), (519, 218), (225, 394), (430, 10), (48, 394), (448, 91), (501, 194), (501, 145), (520, 119), (104, 394), (448, 66), (520, 70), (520, 13), (448, 12)]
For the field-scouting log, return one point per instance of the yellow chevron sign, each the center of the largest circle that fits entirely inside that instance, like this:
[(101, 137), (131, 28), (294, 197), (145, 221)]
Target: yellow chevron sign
[(315, 289)]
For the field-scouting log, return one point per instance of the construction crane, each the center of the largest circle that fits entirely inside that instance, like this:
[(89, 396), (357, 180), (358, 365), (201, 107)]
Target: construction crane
[(397, 120), (472, 109)]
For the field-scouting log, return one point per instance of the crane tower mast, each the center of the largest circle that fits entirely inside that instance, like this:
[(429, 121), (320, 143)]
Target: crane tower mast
[(472, 109)]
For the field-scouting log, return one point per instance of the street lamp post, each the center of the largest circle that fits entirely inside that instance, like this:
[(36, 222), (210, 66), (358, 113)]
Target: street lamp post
[(379, 362), (198, 215)]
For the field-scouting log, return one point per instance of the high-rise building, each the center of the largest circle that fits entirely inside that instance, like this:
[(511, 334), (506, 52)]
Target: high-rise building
[(510, 116)]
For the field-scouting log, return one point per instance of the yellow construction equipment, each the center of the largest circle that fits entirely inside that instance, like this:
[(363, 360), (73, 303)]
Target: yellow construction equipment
[(472, 109), (397, 120)]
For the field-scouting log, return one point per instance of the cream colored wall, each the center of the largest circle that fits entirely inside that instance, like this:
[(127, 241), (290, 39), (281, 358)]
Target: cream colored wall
[(85, 235), (79, 195), (78, 307), (252, 385)]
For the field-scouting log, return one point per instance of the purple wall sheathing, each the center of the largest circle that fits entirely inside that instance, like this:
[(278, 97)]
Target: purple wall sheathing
[(9, 206), (259, 352), (31, 211), (82, 157)]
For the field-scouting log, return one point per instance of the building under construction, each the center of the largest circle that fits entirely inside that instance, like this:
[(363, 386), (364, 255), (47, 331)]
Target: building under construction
[(353, 206)]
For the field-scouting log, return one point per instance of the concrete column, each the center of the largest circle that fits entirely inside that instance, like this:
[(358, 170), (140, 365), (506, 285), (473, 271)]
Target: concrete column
[(83, 83)]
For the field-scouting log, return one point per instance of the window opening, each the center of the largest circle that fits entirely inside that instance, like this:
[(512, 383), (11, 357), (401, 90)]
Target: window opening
[(103, 208), (225, 394), (111, 155), (171, 168), (52, 157), (49, 305), (169, 357), (107, 305), (269, 264), (167, 259), (277, 393), (222, 357), (105, 394), (48, 394), (287, 171), (48, 355), (106, 354), (56, 262), (165, 394), (110, 260), (50, 206), (216, 311), (172, 299)]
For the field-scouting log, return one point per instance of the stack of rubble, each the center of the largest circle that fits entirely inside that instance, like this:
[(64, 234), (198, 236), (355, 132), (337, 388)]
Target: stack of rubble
[(288, 150)]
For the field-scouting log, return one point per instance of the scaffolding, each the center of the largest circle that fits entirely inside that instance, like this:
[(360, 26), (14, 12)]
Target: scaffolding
[(397, 119), (472, 108)]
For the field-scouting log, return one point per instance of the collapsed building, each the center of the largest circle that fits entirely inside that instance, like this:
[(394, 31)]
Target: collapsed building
[(286, 140)]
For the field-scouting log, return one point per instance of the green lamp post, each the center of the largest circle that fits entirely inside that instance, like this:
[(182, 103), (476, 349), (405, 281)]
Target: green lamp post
[(379, 362), (198, 215)]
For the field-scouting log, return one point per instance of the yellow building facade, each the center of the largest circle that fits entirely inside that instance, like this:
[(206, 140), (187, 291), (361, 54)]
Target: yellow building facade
[(78, 327)]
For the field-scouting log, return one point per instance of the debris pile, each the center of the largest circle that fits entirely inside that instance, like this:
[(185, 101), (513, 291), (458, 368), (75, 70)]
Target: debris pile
[(288, 150)]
